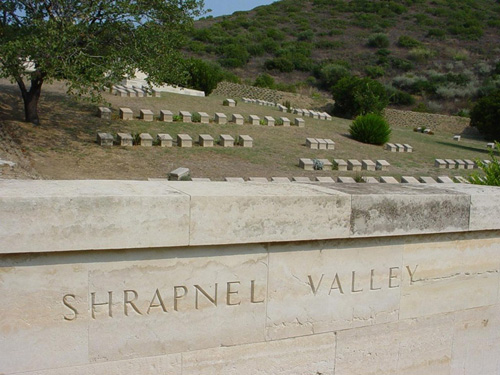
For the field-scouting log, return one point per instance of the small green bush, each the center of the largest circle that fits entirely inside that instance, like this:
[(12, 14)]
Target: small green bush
[(485, 115), (491, 171), (374, 71), (264, 80), (378, 40), (406, 41), (370, 128), (195, 117)]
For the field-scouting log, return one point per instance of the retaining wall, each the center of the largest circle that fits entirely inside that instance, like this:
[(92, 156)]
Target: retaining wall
[(114, 277)]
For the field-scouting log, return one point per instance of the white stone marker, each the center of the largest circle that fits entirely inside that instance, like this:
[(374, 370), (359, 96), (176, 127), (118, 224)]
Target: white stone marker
[(104, 139), (400, 147), (186, 116), (269, 120), (220, 118), (246, 141), (340, 164), (314, 115), (204, 117), (145, 140), (444, 180), (131, 92), (440, 163), (238, 119), (460, 164), (301, 179), (306, 164), (205, 179), (285, 121), (156, 93), (461, 180), (166, 115), (126, 114), (391, 147), (258, 179), (456, 138), (254, 120), (122, 93), (298, 112), (234, 179), (327, 164), (165, 140), (368, 165), (139, 92), (306, 113), (184, 140), (370, 180), (330, 145), (206, 140), (324, 179), (382, 165), (312, 143), (178, 174), (469, 164), (146, 115), (408, 148), (125, 139), (346, 180), (300, 122), (427, 180), (230, 102), (388, 180), (490, 145), (226, 140), (104, 113), (450, 163), (409, 180), (353, 165), (280, 179), (321, 144)]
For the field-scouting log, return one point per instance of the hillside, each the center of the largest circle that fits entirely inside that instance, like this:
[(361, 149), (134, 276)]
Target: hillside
[(442, 52)]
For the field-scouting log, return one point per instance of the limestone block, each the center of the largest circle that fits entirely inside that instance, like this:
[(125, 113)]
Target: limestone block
[(322, 116), (125, 139), (456, 138), (285, 121), (254, 120), (298, 112), (330, 145), (139, 92), (408, 148), (409, 180), (186, 116), (269, 120), (461, 180), (314, 114), (300, 122), (312, 143), (353, 165), (122, 93), (400, 147), (104, 139), (146, 115), (440, 163), (301, 179), (184, 140), (226, 140), (324, 179), (328, 117), (427, 180), (444, 180), (145, 140), (220, 118), (340, 164), (230, 102), (460, 164), (280, 179), (245, 140), (382, 165), (306, 164), (165, 140), (327, 164), (368, 165), (104, 113), (306, 113), (204, 179), (388, 180), (156, 93), (391, 147), (258, 179), (206, 140), (282, 108), (469, 164), (204, 118), (126, 114), (450, 163), (321, 144), (234, 179), (346, 180), (166, 116), (131, 92), (370, 180), (490, 145), (237, 119), (178, 174)]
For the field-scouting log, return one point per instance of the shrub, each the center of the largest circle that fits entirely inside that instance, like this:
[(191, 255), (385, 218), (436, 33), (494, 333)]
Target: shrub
[(370, 128), (264, 80), (408, 42), (420, 54), (330, 74), (204, 75), (374, 71), (491, 171), (282, 64), (196, 117), (378, 40), (485, 115)]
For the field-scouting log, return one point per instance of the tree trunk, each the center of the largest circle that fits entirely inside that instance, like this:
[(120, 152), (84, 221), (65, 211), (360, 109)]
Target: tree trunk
[(31, 97)]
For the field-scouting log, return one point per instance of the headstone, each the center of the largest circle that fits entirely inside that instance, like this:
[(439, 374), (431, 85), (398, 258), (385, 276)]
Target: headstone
[(460, 164), (300, 122), (314, 114), (426, 131), (368, 165), (166, 116), (328, 117), (139, 92), (456, 138), (285, 121), (184, 140), (146, 115), (408, 148), (298, 112), (450, 163), (409, 180), (321, 144), (353, 165), (165, 140), (444, 180), (234, 179), (400, 147), (461, 180), (306, 113), (131, 92), (301, 179), (427, 180), (254, 120), (104, 113), (204, 118), (237, 119), (370, 180), (125, 139), (126, 114), (306, 164), (440, 163), (322, 116), (156, 93), (206, 140), (490, 145), (324, 179), (346, 180), (388, 180), (469, 164), (220, 118), (204, 179), (186, 116), (226, 140), (145, 140), (327, 164), (178, 174), (230, 102), (312, 143), (104, 139), (122, 93), (269, 120), (280, 179), (340, 164), (258, 179), (330, 145), (246, 141), (382, 165), (391, 147)]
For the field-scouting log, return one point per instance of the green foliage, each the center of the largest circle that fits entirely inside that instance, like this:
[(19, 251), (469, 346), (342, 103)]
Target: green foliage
[(491, 170), (378, 40), (371, 128), (374, 71), (282, 64), (205, 75), (485, 115), (420, 54), (306, 36), (264, 80), (234, 56), (330, 74), (408, 42), (358, 96), (398, 97), (196, 117)]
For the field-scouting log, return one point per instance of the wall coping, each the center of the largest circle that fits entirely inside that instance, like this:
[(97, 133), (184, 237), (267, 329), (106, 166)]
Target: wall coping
[(48, 216)]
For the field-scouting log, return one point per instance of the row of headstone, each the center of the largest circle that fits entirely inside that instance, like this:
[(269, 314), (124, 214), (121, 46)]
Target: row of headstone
[(134, 91), (165, 140), (298, 111), (342, 165), (320, 144), (456, 163), (398, 147)]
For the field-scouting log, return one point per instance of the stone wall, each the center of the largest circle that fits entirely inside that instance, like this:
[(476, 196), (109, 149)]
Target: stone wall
[(115, 277), (409, 119), (235, 90)]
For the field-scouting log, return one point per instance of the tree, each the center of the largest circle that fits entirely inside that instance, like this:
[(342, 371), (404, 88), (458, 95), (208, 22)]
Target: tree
[(91, 43), (358, 96), (491, 170), (486, 116)]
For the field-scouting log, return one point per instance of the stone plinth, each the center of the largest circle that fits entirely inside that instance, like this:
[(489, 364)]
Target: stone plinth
[(184, 140), (220, 118), (237, 119), (460, 164), (306, 113), (382, 165), (368, 165), (409, 180), (330, 145), (469, 164), (254, 120), (234, 179), (206, 140), (204, 117), (166, 116), (490, 145), (444, 180), (440, 163), (283, 180), (312, 143), (245, 140), (300, 122), (456, 138), (179, 174), (269, 120), (104, 139), (125, 139), (165, 140), (185, 116), (353, 165), (450, 163), (226, 140), (306, 164), (391, 147), (370, 180), (146, 115), (427, 180), (346, 180), (321, 144), (285, 121), (145, 140), (104, 113), (400, 147), (324, 179), (301, 179), (388, 180), (340, 164), (230, 103), (258, 179), (408, 148), (126, 114), (327, 164)]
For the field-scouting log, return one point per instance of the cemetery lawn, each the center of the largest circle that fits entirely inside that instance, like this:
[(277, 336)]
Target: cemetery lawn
[(64, 145)]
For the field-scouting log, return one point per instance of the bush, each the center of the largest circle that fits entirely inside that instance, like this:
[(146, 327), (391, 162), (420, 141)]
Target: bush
[(491, 171), (370, 128), (264, 80), (408, 42), (330, 74), (374, 71), (485, 115), (204, 75), (282, 64), (378, 40)]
